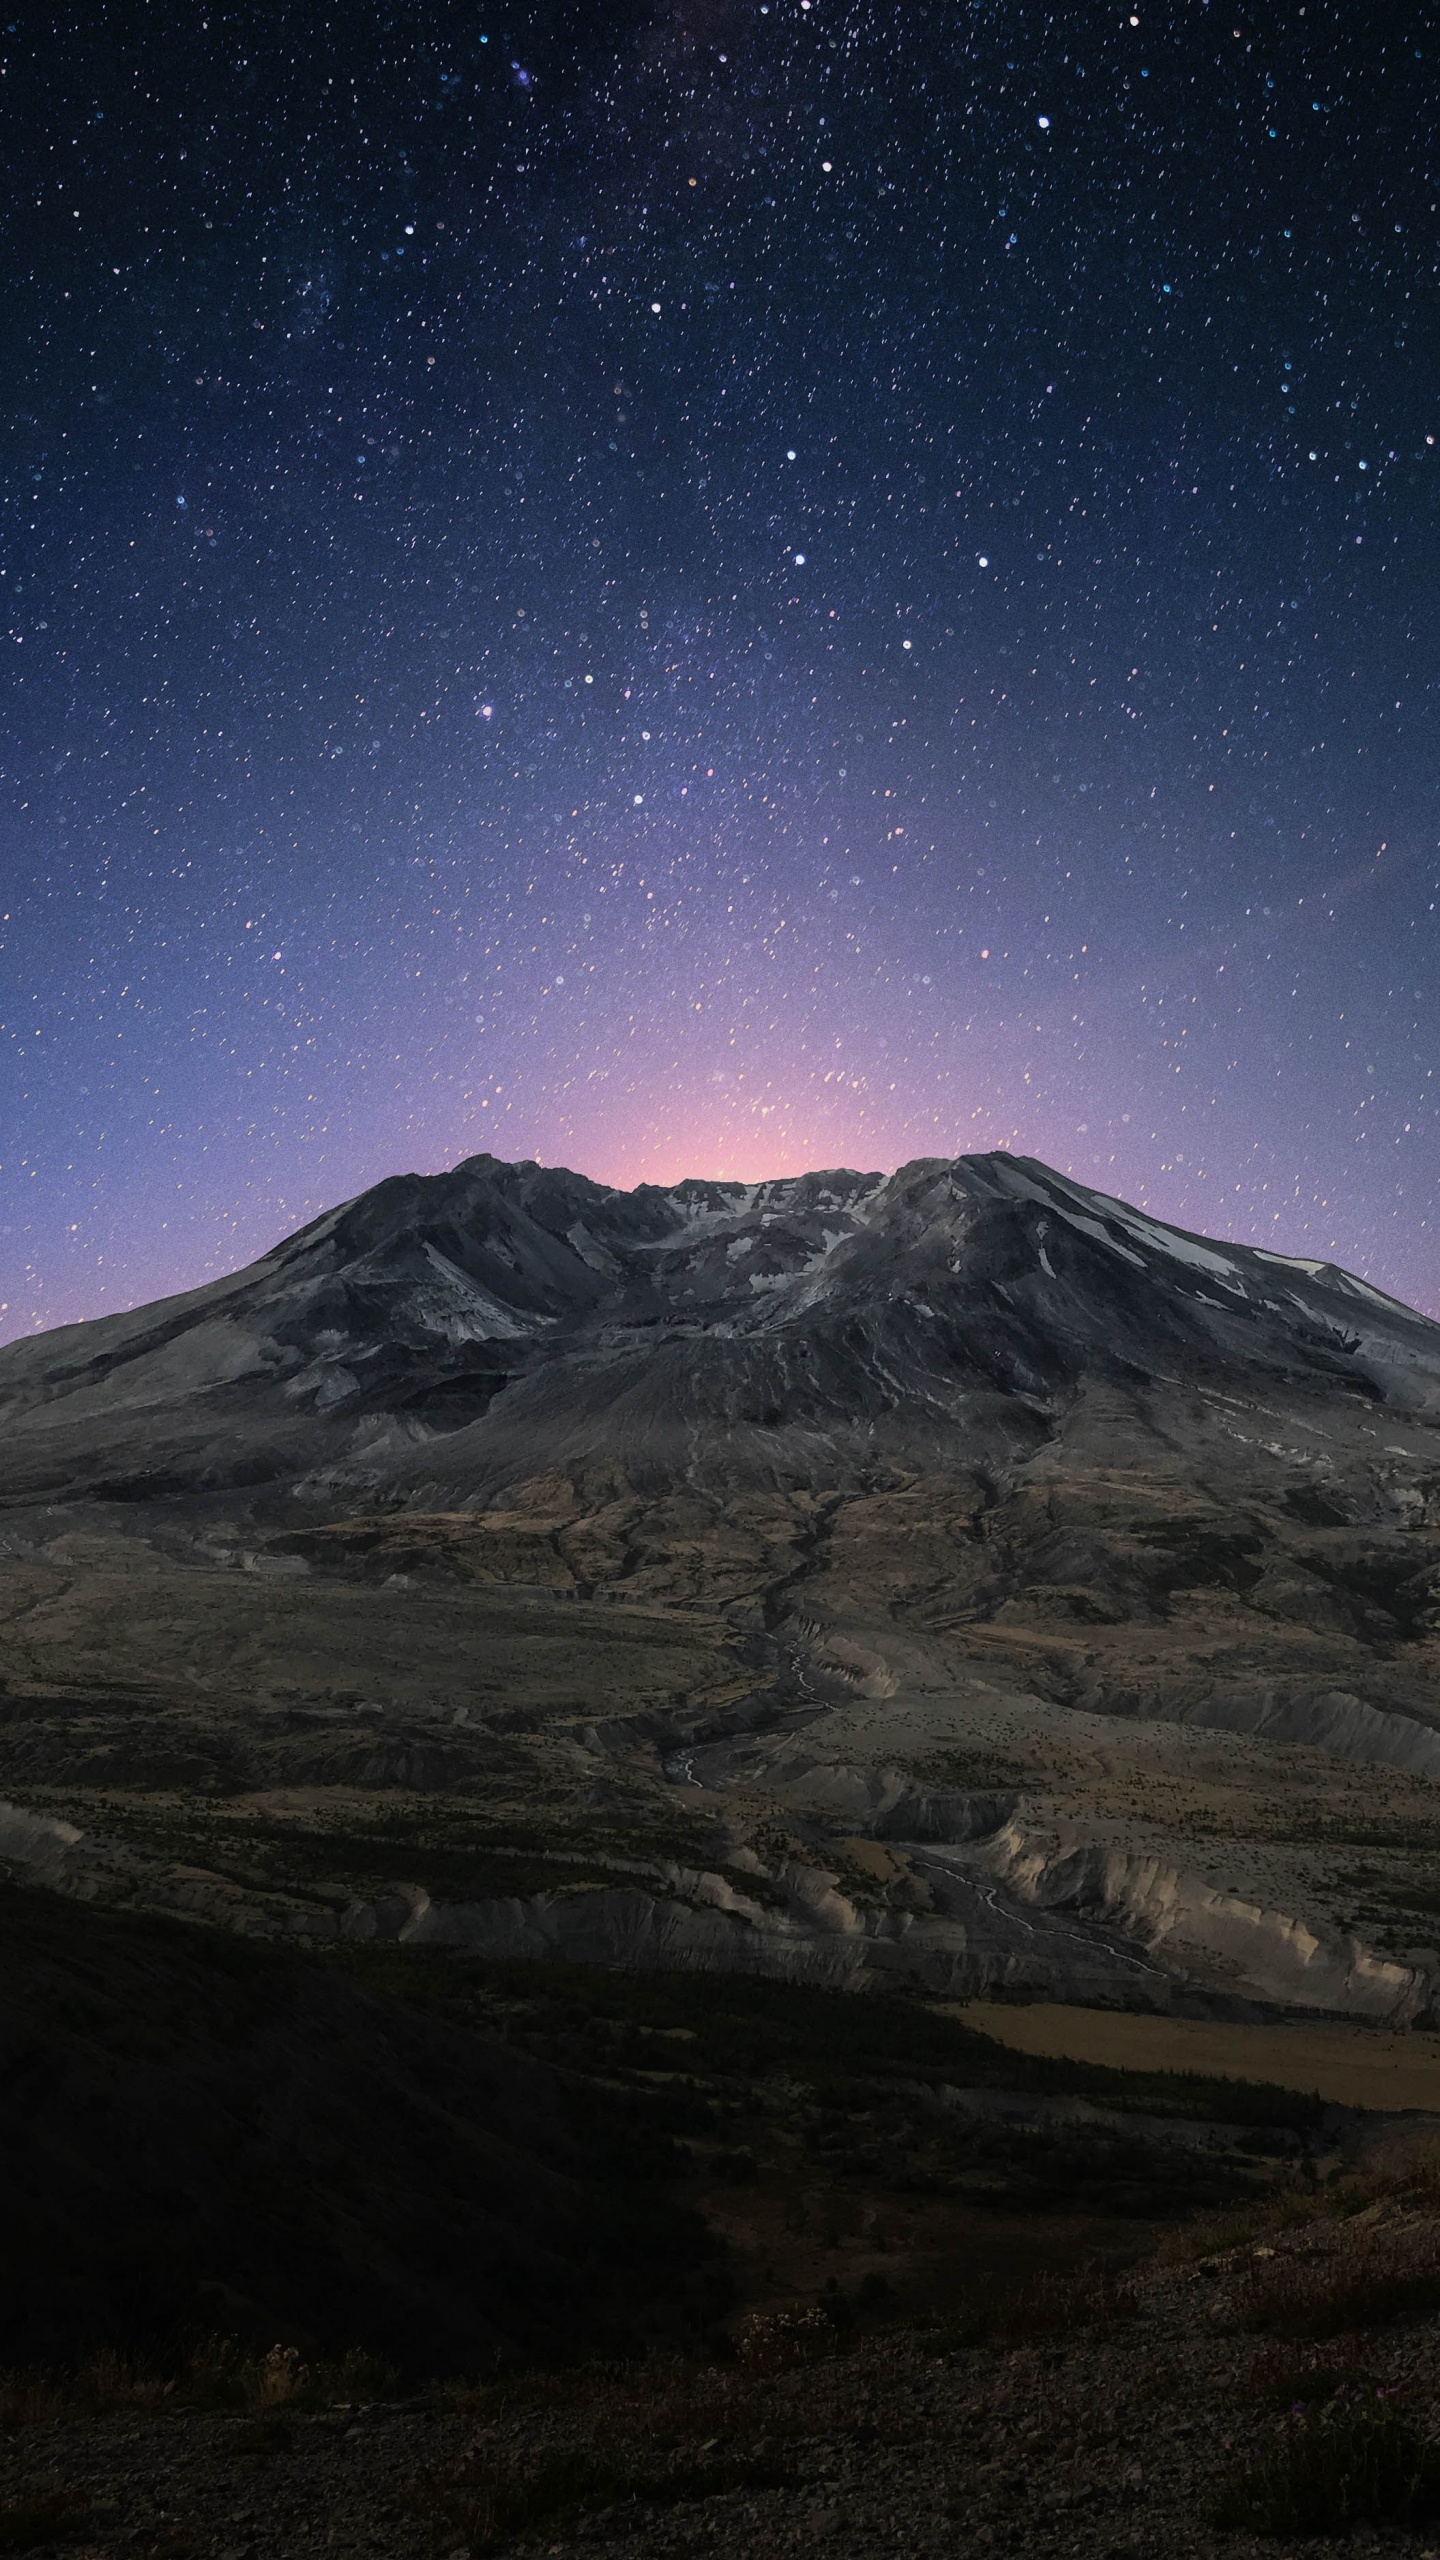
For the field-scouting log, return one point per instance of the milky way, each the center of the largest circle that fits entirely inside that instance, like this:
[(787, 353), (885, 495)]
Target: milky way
[(714, 589)]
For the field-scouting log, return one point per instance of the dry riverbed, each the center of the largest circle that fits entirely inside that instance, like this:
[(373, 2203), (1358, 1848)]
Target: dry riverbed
[(1349, 2066)]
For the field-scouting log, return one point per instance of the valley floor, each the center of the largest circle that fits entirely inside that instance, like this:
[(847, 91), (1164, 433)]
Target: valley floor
[(1349, 2066)]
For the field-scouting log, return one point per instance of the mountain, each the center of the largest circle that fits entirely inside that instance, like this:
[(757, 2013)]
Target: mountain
[(451, 1335), (952, 1576)]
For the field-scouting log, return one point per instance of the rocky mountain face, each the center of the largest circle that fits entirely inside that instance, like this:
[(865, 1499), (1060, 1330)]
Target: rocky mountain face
[(456, 1333), (952, 1576)]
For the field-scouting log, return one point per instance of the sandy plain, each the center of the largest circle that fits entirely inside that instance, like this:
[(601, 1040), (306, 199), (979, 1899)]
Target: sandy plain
[(1351, 2066)]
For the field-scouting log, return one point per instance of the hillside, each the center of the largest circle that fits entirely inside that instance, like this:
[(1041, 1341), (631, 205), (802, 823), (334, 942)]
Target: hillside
[(952, 1578)]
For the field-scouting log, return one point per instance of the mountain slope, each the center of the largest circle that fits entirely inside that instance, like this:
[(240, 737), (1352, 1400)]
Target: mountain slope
[(461, 1332), (1016, 1591)]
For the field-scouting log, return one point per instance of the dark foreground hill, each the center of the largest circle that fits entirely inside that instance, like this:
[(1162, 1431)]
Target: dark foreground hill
[(199, 2137), (1269, 2384)]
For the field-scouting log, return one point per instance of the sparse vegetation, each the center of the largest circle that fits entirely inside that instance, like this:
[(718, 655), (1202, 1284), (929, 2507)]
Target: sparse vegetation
[(977, 1768), (494, 2494), (29, 2524), (746, 2027), (217, 2374), (773, 2341), (1217, 2235), (1365, 2282), (1050, 2305), (1279, 2379), (1355, 2458), (662, 2398)]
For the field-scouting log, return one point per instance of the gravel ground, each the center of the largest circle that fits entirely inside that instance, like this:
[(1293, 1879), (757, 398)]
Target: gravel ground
[(1105, 2444)]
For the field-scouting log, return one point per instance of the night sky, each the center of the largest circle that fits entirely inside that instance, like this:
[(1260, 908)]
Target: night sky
[(715, 588)]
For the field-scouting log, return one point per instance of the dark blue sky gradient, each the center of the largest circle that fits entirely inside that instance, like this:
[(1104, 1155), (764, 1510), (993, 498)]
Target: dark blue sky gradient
[(959, 673)]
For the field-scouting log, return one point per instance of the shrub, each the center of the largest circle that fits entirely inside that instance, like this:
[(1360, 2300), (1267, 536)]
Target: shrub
[(357, 2375), (279, 2376), (27, 2398), (963, 2327), (1279, 2379), (1359, 2285), (1048, 2306), (772, 2341), (32, 2522), (1408, 2166), (1355, 2459), (216, 2374), (1052, 2306), (29, 2395), (1212, 2239)]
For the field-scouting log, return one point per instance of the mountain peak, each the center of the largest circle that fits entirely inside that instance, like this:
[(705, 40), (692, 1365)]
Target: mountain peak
[(459, 1328)]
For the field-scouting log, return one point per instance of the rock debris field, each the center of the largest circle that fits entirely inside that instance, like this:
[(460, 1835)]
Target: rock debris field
[(1280, 2366)]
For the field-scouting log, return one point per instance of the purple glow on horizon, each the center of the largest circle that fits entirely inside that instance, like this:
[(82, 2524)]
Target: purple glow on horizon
[(768, 589)]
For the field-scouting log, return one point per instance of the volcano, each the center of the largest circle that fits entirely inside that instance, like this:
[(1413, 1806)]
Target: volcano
[(444, 1337), (952, 1575)]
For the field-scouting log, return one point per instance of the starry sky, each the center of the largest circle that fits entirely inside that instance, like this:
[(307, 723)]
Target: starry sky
[(711, 587)]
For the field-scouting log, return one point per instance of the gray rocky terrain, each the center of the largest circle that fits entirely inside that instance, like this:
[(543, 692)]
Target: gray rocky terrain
[(951, 1578), (1270, 2385), (583, 1640)]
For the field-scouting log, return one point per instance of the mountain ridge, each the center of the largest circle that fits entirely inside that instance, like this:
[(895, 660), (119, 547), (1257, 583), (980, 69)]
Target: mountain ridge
[(470, 1306)]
